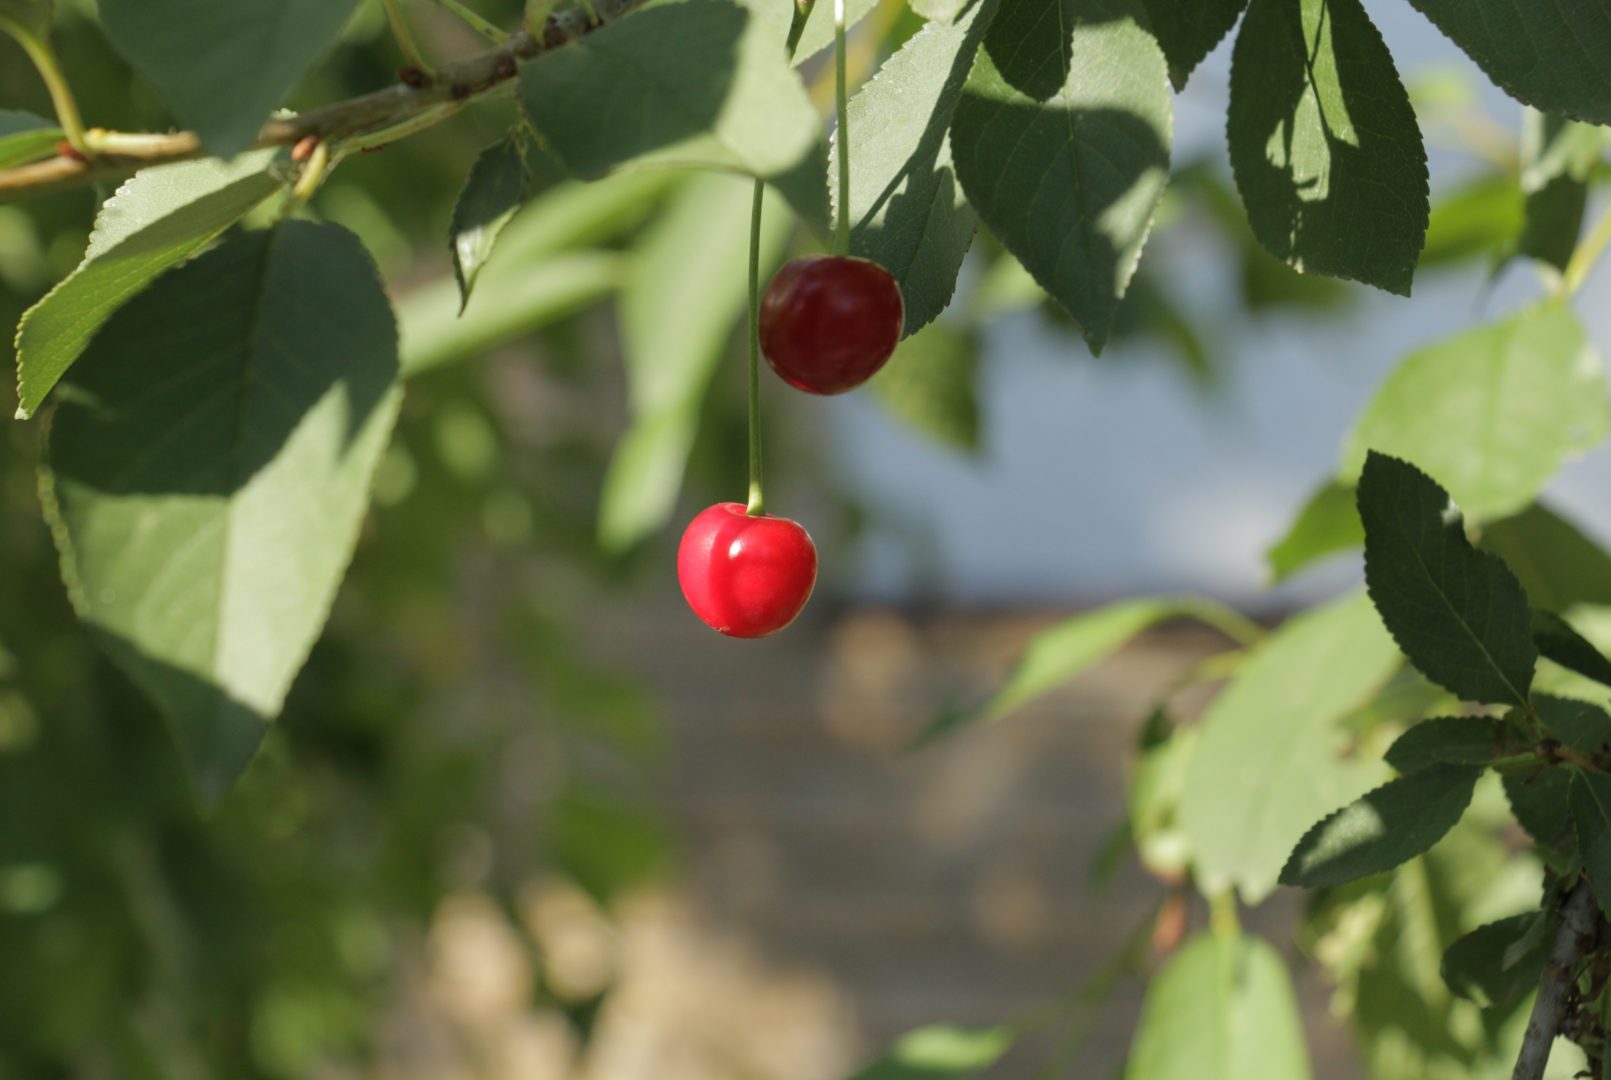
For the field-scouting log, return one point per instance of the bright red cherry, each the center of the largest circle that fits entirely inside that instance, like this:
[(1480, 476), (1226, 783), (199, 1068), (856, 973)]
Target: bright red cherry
[(828, 322), (745, 576)]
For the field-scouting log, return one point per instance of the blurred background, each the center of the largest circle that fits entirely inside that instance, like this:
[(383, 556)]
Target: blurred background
[(524, 816)]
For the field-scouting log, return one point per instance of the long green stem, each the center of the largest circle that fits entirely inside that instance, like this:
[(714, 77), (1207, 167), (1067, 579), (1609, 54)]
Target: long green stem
[(61, 95), (488, 30), (757, 504), (842, 125), (405, 37), (1588, 253)]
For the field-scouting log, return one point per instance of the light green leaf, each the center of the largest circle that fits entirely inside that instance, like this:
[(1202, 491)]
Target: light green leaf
[(907, 212), (1581, 726), (208, 470), (1500, 963), (25, 137), (1273, 738), (1590, 802), (154, 221), (818, 32), (1221, 1009), (1389, 826), (224, 67), (498, 183), (940, 1051), (1481, 219), (1557, 640), (683, 295), (1557, 565), (1062, 142), (1324, 144), (1458, 613), (1188, 30), (1548, 55), (1446, 740), (931, 383), (691, 83), (1328, 523), (1156, 782)]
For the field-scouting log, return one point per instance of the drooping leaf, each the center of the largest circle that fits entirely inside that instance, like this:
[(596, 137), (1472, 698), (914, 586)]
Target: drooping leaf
[(907, 212), (1324, 143), (692, 83), (1581, 726), (1382, 829), (930, 383), (1446, 740), (224, 67), (1556, 563), (1061, 141), (25, 137), (1557, 156), (1188, 30), (1590, 802), (1328, 523), (1549, 56), (683, 295), (499, 181), (1458, 613), (208, 469), (1273, 737), (939, 1051), (1221, 1009), (1499, 963), (154, 221), (1492, 412), (1558, 641)]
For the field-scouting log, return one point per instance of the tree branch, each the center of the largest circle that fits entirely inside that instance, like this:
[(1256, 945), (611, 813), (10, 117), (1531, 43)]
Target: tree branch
[(112, 155), (1572, 939)]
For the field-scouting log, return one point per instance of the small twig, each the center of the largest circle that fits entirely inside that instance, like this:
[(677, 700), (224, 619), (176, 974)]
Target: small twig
[(405, 38), (1572, 939), (116, 154)]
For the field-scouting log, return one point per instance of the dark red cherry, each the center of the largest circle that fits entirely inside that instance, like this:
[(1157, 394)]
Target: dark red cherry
[(828, 322), (745, 576)]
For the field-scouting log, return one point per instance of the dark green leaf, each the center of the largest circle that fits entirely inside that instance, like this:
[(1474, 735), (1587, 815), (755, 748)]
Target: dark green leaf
[(1446, 740), (1458, 613), (25, 137), (1500, 963), (703, 84), (154, 221), (906, 211), (930, 384), (1387, 827), (498, 183), (1538, 799), (1325, 146), (1548, 55), (1478, 220), (1557, 565), (1221, 1009), (1578, 725), (1062, 145), (940, 1051), (209, 466), (1557, 158), (30, 17), (224, 67), (1590, 802), (1328, 523), (1558, 641), (1188, 30), (1492, 412)]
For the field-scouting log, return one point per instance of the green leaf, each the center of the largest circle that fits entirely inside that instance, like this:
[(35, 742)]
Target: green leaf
[(940, 11), (1547, 55), (1558, 641), (1458, 613), (818, 32), (498, 184), (1481, 219), (704, 85), (1446, 740), (1580, 726), (1188, 30), (1157, 780), (1493, 412), (1500, 963), (1539, 801), (1590, 802), (1324, 144), (1390, 825), (1557, 158), (1062, 145), (906, 211), (224, 67), (684, 293), (1273, 740), (939, 1051), (25, 137), (208, 469), (30, 17), (931, 383), (154, 221), (1328, 523), (1221, 1009), (1557, 565)]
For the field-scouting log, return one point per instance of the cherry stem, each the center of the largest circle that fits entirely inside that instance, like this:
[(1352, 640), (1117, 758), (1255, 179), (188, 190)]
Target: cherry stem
[(842, 132), (39, 51)]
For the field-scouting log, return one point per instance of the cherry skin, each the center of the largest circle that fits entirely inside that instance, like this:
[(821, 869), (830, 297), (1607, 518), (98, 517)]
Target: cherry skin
[(746, 577), (828, 322)]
